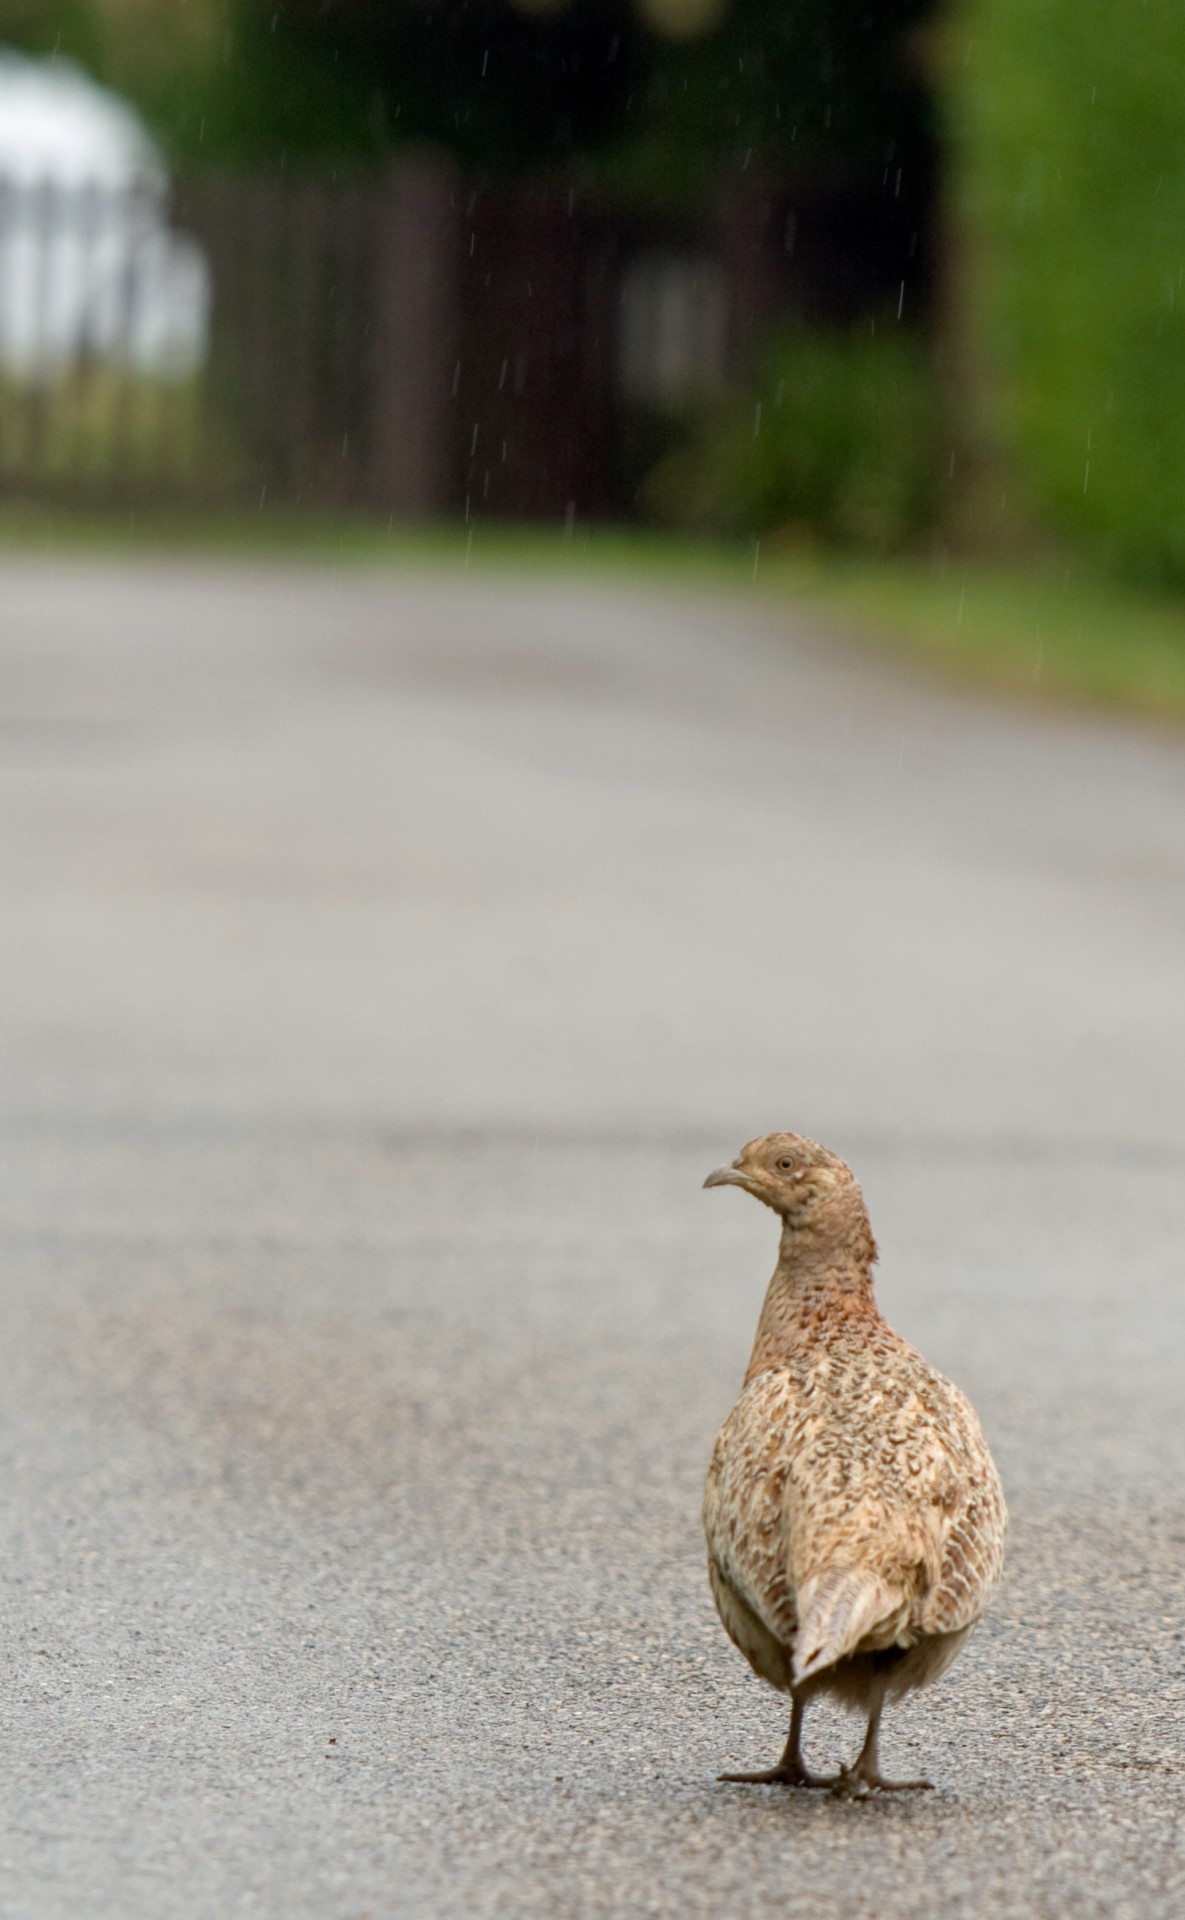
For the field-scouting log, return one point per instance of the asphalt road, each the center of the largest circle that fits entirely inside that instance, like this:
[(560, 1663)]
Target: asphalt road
[(383, 962)]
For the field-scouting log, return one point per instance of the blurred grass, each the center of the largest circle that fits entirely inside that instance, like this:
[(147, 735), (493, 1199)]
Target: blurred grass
[(1053, 634), (1048, 633), (94, 422)]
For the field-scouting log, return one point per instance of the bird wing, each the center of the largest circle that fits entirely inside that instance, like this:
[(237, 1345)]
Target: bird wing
[(967, 1502), (898, 1484), (744, 1507)]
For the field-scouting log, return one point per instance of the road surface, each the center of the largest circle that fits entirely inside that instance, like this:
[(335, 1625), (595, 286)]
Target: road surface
[(385, 959)]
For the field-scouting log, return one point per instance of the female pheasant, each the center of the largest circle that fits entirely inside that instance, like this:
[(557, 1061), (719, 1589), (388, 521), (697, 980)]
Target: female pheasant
[(854, 1517)]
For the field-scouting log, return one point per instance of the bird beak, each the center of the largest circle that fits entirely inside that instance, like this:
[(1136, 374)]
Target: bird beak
[(726, 1177)]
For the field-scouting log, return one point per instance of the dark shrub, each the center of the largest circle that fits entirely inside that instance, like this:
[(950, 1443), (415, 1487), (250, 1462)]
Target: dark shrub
[(836, 440)]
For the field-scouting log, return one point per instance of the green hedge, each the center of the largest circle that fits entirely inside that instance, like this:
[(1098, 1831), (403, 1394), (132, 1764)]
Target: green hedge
[(1067, 122)]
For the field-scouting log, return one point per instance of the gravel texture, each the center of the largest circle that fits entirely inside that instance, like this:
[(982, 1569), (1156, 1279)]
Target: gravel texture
[(385, 960)]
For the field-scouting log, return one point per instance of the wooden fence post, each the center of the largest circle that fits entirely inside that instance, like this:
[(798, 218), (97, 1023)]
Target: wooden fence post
[(409, 464), (747, 242)]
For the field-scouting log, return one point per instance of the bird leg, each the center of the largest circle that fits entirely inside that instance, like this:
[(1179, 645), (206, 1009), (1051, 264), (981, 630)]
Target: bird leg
[(791, 1770), (865, 1776)]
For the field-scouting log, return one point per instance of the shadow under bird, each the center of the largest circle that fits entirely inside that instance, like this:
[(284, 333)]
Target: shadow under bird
[(854, 1516)]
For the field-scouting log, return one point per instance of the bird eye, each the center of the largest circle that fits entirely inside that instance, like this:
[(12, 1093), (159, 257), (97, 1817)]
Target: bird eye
[(785, 1164)]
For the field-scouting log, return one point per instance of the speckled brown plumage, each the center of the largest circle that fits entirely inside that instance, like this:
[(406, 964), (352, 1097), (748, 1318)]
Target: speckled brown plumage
[(854, 1517)]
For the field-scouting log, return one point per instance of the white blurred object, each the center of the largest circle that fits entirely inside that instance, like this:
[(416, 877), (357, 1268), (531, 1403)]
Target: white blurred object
[(89, 267), (672, 327)]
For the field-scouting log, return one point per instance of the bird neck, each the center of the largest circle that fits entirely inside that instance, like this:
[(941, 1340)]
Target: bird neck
[(818, 1280)]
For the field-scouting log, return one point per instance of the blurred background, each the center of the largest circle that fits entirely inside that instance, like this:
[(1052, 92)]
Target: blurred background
[(890, 278)]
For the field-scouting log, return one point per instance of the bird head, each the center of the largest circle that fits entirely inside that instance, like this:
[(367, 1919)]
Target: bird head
[(800, 1180)]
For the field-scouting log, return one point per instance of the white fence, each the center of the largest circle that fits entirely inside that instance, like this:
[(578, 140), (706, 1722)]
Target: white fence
[(94, 274)]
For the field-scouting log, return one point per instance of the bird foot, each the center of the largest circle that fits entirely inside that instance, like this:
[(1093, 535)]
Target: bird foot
[(858, 1783), (782, 1777)]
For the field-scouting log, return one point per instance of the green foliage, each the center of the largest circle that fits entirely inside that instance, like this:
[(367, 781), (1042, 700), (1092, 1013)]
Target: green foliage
[(1066, 120), (837, 440), (505, 85), (814, 88), (345, 83), (70, 27)]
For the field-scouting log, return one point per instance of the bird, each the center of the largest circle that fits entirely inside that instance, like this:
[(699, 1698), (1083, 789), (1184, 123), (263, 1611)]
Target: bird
[(854, 1516)]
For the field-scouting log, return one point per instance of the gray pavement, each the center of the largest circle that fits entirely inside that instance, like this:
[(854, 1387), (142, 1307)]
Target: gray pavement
[(383, 962)]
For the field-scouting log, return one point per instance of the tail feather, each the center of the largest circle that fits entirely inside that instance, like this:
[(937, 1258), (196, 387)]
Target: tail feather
[(837, 1609)]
